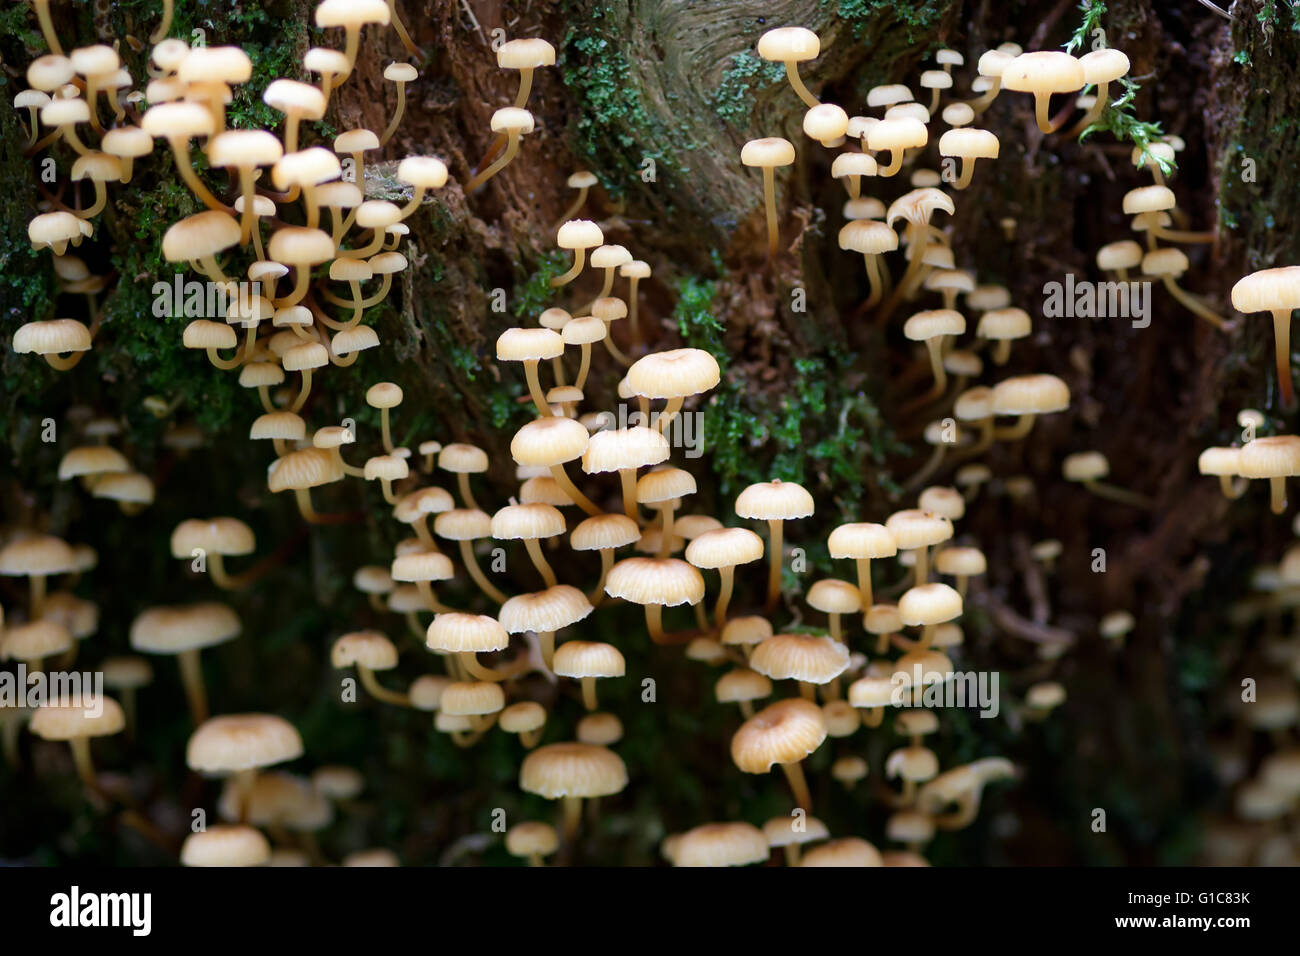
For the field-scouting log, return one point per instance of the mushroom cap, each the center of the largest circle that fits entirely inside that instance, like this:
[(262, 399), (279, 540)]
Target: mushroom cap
[(1148, 199), (802, 657), (584, 331), (34, 640), (774, 501), (1005, 323), (92, 460), (854, 164), (849, 769), (665, 581), (522, 717), (460, 458), (889, 94), (664, 485), (920, 668), (1125, 254), (1045, 695), (963, 561), (286, 426), (579, 234), (582, 179), (1043, 72), (833, 596), (789, 44), (580, 659), (555, 319), (302, 469), (676, 373), (721, 844), (549, 441), (242, 742), (399, 73), (933, 324), (372, 579), (600, 729), (527, 522), (931, 603), (1030, 395), (1268, 290), (525, 53), (622, 448), (531, 838), (944, 501), (909, 826), (862, 540), (826, 123), (300, 246), (867, 236), (50, 72), (261, 374), (604, 531), (52, 227), (356, 141), (969, 144), (914, 528), (900, 132), (424, 501), (1085, 466), (227, 536), (217, 64), (131, 487), (385, 467), (768, 152), (872, 691), (544, 611), (426, 691), (512, 120), (226, 844), (171, 629), (244, 147), (864, 207), (572, 770), (784, 732), (422, 566), (356, 339), (472, 698), (794, 830), (610, 256), (1103, 66), (751, 629), (1165, 262), (1274, 457), (422, 172), (912, 763), (463, 524), (205, 234), (369, 649), (724, 547), (327, 62), (742, 684), (1219, 461), (847, 851)]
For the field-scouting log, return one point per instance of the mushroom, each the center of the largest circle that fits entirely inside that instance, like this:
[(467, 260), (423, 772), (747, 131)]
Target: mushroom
[(531, 347), (586, 661), (184, 630), (925, 606), (368, 651), (783, 733), (1168, 265), (872, 239), (791, 46), (238, 745), (720, 844), (544, 613), (215, 539), (1043, 74), (934, 328), (774, 502), (178, 123), (1226, 464), (811, 660), (656, 584), (1089, 468), (834, 598), (768, 154), (1028, 396), (862, 542), (61, 342), (514, 124), (526, 718), (578, 235), (76, 719), (916, 530), (572, 772), (674, 376), (968, 145), (351, 15), (896, 136), (742, 687), (465, 526), (530, 523), (1276, 291), (1002, 327), (300, 471), (1276, 458), (532, 841)]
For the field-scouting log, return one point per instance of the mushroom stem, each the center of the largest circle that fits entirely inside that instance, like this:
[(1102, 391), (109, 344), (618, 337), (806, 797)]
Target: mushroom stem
[(472, 566), (775, 531), (196, 693), (469, 662), (36, 595), (1282, 348), (1024, 424), (921, 573), (864, 583), (378, 691), (929, 468), (572, 211), (1277, 490), (798, 784), (569, 488), (535, 388), (400, 28), (1232, 487), (307, 510), (227, 582), (967, 171), (80, 747), (728, 575), (303, 392), (873, 277), (181, 151), (579, 257), (796, 81), (1042, 108), (358, 473), (1122, 495), (164, 25), (61, 364), (597, 594), (572, 816), (462, 483), (1094, 113), (668, 414), (894, 165), (539, 561), (769, 205), (589, 693), (431, 599), (546, 641), (628, 477), (665, 531), (397, 114), (1191, 303), (615, 351), (512, 150)]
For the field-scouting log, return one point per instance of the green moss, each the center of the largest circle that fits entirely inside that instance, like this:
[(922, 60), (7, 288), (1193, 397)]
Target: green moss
[(534, 295), (733, 99), (919, 18)]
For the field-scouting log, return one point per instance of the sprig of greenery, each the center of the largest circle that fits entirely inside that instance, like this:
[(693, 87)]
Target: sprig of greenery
[(1092, 13), (1120, 120)]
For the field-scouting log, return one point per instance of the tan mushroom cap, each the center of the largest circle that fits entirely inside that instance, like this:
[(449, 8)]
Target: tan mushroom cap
[(578, 659), (544, 611), (549, 441), (1268, 290), (774, 500), (34, 640), (226, 844), (833, 596), (724, 547), (337, 782), (283, 425), (527, 522), (969, 143), (867, 236), (579, 234), (1047, 71), (1274, 457), (847, 851), (523, 717), (226, 536), (622, 448), (872, 691), (789, 44), (205, 234), (862, 540), (426, 691), (127, 672), (768, 152), (665, 581), (369, 649), (912, 763), (903, 132), (742, 684), (37, 554), (130, 487), (721, 844), (600, 729), (914, 528), (529, 345), (463, 524), (472, 698), (882, 619), (423, 501), (1085, 466), (676, 373), (175, 628), (801, 657), (242, 742), (422, 566), (784, 732), (604, 531), (572, 770), (1030, 395), (1219, 461), (525, 53), (793, 830), (1008, 323), (934, 323), (531, 838), (963, 561), (460, 458), (51, 337), (663, 485), (751, 629)]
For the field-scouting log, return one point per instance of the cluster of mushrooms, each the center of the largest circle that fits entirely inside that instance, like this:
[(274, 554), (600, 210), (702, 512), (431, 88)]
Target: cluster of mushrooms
[(295, 221)]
